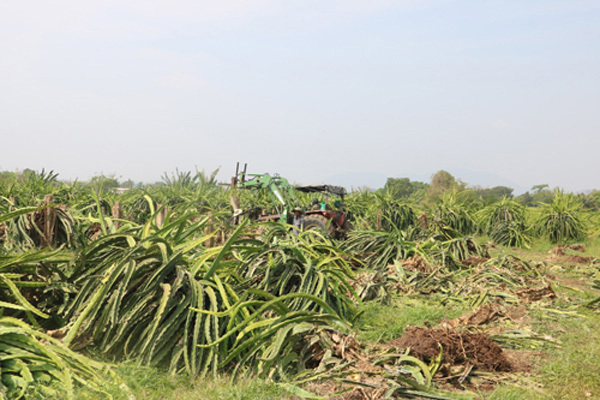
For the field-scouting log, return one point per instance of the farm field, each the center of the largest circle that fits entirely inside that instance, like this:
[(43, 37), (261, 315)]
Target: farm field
[(154, 294), (565, 369)]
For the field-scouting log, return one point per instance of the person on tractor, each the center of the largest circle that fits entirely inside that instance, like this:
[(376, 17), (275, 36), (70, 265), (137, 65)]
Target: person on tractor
[(298, 220), (315, 205)]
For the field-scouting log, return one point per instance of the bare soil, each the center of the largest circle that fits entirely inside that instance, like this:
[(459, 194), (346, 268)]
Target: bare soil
[(458, 348)]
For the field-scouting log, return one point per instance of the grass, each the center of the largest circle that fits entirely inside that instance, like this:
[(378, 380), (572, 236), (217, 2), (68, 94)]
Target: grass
[(382, 323), (146, 383), (569, 371), (593, 247), (514, 393)]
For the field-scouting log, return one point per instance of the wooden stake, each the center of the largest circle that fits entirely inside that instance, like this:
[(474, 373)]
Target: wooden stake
[(117, 213), (49, 222)]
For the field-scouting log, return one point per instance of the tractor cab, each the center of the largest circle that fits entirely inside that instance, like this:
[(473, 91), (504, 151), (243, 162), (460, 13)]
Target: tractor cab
[(330, 215)]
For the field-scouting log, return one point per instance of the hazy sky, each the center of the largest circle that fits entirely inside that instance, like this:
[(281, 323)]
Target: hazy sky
[(309, 89)]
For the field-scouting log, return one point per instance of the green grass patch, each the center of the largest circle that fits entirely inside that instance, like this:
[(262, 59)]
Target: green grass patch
[(568, 371), (571, 371), (541, 245), (146, 383), (514, 393), (382, 323), (593, 247)]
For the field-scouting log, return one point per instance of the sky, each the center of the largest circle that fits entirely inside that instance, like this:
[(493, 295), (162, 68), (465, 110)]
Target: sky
[(504, 90)]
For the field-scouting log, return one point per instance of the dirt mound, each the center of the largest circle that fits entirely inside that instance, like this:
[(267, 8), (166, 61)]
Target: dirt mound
[(459, 348), (559, 254), (561, 250), (577, 259)]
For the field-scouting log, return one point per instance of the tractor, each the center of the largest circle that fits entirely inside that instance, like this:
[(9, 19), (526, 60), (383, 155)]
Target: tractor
[(334, 221)]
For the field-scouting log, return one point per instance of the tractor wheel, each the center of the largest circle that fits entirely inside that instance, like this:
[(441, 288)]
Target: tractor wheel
[(318, 222)]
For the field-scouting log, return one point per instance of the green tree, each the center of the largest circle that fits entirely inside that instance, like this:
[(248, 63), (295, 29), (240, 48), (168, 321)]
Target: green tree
[(525, 199), (127, 184), (591, 201), (493, 195), (539, 188), (7, 177), (442, 182), (402, 188), (541, 194), (103, 183)]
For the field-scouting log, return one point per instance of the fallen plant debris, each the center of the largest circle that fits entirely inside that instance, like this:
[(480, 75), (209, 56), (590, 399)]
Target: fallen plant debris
[(416, 263), (482, 316), (363, 372), (474, 261), (370, 286), (535, 294)]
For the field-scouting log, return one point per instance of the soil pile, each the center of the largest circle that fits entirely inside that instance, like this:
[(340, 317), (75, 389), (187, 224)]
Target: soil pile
[(559, 254), (458, 348), (561, 250), (575, 259)]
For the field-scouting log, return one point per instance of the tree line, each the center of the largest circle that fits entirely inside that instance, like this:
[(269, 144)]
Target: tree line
[(443, 182)]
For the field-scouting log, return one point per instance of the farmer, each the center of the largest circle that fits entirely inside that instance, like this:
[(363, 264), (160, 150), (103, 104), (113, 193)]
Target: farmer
[(298, 220), (337, 205), (315, 204)]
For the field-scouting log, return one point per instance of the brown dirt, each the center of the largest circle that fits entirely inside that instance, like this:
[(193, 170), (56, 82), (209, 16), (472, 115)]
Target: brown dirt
[(463, 352), (575, 259), (459, 348), (522, 360), (561, 250), (355, 394), (577, 284), (516, 313), (474, 261)]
